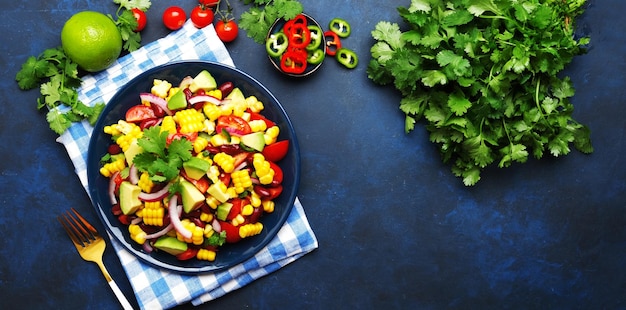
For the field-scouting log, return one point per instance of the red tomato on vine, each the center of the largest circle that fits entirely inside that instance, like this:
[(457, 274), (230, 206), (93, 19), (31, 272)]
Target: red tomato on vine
[(226, 30), (201, 16), (174, 17)]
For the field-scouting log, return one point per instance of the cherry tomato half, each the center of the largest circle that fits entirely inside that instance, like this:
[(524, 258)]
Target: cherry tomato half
[(234, 125), (226, 31), (189, 254), (276, 151), (209, 3), (278, 173), (232, 232), (139, 113), (141, 18), (174, 17), (201, 16), (257, 116)]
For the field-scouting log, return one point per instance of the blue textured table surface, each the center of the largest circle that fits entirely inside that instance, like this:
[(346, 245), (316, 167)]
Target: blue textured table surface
[(396, 229)]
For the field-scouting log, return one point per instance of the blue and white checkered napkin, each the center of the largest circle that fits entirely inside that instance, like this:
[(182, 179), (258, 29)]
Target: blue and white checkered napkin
[(156, 288)]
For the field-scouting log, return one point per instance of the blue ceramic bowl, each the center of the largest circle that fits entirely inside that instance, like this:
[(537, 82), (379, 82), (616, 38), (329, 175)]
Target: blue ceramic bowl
[(229, 254)]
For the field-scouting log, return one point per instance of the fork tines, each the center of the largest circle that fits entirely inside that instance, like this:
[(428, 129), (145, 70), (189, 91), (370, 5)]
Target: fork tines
[(77, 227)]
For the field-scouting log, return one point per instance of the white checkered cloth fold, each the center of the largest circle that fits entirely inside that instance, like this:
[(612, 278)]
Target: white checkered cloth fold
[(157, 288)]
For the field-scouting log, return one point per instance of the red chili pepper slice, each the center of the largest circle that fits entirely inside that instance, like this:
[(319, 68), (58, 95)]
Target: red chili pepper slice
[(300, 19), (293, 61), (299, 36), (333, 43)]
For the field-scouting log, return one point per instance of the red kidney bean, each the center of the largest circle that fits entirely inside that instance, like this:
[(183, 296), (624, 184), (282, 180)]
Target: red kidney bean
[(226, 88), (231, 149), (114, 149), (158, 111), (262, 191), (148, 123)]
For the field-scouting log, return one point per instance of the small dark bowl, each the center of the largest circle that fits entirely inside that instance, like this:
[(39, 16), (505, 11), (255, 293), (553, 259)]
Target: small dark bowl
[(230, 254), (278, 26)]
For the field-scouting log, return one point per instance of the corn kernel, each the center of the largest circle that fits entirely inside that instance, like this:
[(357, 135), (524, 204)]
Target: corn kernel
[(204, 254), (268, 206), (249, 230)]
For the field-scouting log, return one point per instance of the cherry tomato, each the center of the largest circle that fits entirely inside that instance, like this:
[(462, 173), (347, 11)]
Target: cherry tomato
[(238, 203), (177, 136), (141, 18), (268, 193), (235, 125), (276, 151), (189, 254), (209, 3), (256, 116), (226, 30), (232, 232), (139, 113), (278, 173), (201, 16), (174, 17)]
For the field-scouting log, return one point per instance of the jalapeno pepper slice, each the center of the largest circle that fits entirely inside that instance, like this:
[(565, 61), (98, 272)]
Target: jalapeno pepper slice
[(316, 35), (333, 42), (347, 58), (293, 61), (276, 44), (340, 27), (315, 57)]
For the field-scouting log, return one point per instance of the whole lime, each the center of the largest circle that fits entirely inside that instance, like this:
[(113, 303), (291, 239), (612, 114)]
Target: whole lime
[(91, 40)]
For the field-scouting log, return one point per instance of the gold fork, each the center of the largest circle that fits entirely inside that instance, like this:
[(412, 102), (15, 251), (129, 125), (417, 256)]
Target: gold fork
[(90, 246)]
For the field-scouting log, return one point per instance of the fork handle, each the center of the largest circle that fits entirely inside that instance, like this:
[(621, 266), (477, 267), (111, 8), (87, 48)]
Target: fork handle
[(120, 296)]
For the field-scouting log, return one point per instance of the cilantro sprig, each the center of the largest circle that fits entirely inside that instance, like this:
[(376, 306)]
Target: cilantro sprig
[(161, 160), (258, 19), (126, 22), (57, 78), (483, 76)]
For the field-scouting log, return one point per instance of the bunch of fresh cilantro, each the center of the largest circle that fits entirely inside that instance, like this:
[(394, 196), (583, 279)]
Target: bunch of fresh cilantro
[(57, 76), (483, 76), (258, 19)]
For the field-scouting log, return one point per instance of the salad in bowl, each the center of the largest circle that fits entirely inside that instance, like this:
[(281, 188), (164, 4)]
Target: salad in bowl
[(193, 166)]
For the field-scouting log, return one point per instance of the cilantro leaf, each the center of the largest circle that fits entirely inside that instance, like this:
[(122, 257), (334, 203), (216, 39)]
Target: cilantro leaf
[(58, 121), (160, 160), (258, 19)]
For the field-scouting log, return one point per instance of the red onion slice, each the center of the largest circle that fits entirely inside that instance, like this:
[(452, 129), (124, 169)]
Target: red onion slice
[(216, 226), (160, 232), (156, 196), (112, 186), (154, 99), (133, 174), (175, 218), (204, 98)]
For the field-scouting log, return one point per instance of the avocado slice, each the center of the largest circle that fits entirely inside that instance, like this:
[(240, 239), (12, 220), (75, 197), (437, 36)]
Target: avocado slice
[(223, 210), (255, 140), (129, 197), (204, 80), (216, 191), (177, 101), (236, 95), (170, 245), (132, 151), (192, 197), (196, 168)]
